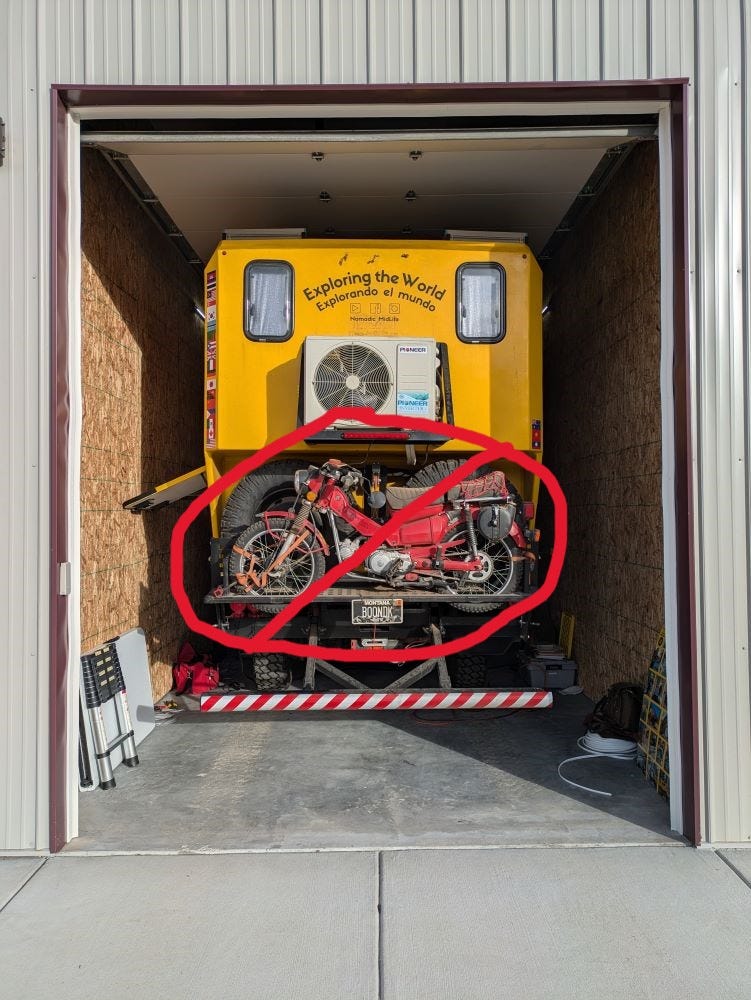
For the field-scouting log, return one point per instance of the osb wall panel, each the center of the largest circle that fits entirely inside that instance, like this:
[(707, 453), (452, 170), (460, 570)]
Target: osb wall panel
[(142, 407), (602, 424)]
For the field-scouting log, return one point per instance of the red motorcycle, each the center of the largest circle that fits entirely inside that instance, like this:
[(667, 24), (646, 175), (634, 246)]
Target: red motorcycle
[(468, 542)]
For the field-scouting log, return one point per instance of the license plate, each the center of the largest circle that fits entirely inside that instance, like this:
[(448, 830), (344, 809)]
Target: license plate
[(378, 611)]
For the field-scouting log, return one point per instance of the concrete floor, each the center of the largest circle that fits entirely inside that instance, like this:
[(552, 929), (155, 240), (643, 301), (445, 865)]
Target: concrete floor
[(376, 780), (14, 874), (529, 924), (740, 862)]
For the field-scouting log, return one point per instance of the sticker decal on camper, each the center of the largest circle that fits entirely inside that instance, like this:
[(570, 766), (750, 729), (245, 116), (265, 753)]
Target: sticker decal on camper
[(210, 419), (372, 298), (413, 404)]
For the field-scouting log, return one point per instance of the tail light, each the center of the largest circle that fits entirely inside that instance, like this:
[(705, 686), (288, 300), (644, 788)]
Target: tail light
[(375, 436), (528, 510), (536, 435)]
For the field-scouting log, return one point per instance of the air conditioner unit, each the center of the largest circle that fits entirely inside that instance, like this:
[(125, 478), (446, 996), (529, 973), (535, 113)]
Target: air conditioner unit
[(389, 375)]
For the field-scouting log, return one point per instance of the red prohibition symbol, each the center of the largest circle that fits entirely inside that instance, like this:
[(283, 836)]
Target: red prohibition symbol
[(264, 641)]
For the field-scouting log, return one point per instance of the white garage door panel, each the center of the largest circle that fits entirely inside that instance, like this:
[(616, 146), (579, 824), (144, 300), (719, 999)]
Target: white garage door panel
[(232, 175), (522, 180)]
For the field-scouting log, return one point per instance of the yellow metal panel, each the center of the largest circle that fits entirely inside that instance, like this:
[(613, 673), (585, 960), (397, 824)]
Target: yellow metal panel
[(165, 494), (371, 289)]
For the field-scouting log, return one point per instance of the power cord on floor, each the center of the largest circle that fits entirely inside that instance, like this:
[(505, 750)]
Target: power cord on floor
[(595, 745), (466, 716)]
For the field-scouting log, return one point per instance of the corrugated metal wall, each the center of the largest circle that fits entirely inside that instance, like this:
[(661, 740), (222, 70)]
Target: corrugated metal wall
[(383, 41), (365, 41)]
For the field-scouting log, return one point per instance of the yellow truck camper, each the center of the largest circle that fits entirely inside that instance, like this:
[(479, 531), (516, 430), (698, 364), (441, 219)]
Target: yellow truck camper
[(276, 309), (448, 330)]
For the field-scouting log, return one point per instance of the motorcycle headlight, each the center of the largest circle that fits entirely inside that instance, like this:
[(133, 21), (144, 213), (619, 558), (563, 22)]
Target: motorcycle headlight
[(301, 476)]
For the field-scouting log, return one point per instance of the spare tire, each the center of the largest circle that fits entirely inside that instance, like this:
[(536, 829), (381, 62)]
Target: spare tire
[(468, 670), (271, 672), (271, 487), (431, 474)]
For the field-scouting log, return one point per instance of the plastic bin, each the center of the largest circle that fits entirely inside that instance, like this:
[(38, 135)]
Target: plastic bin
[(549, 674)]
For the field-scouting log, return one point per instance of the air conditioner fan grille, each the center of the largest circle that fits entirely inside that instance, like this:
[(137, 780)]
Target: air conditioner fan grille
[(352, 375)]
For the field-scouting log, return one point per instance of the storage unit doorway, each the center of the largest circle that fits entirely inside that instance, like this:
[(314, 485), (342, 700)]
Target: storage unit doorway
[(522, 118)]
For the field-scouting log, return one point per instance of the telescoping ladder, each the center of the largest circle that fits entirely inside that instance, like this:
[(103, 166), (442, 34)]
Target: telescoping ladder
[(102, 682)]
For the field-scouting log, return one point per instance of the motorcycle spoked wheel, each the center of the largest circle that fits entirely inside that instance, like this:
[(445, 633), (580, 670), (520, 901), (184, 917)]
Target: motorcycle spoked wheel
[(504, 577), (295, 574)]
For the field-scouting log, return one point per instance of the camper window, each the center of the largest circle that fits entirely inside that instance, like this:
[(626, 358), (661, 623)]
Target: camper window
[(268, 300), (480, 303)]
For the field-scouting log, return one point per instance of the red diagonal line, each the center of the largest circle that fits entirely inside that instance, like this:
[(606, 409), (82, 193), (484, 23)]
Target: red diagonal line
[(286, 700), (361, 700), (258, 700), (337, 699), (313, 699), (486, 699), (377, 538)]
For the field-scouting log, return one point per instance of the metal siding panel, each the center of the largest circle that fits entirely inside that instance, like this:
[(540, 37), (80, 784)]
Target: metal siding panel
[(437, 41), (722, 357), (390, 41), (344, 43), (484, 41), (65, 21), (577, 40), (156, 41), (250, 42), (744, 673), (297, 41), (108, 31), (83, 40), (625, 40), (203, 41), (531, 40), (671, 38), (23, 579)]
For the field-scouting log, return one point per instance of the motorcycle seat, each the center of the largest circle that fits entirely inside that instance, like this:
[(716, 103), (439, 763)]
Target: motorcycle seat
[(399, 496)]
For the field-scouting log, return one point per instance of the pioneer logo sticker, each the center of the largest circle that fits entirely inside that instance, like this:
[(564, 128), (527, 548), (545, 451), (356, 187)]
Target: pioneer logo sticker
[(413, 404)]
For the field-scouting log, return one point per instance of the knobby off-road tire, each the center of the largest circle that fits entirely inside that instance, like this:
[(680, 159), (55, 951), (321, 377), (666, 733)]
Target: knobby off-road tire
[(436, 471), (269, 488), (270, 672), (513, 576), (309, 560), (469, 671)]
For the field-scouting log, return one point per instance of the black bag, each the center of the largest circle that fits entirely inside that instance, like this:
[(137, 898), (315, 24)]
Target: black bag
[(616, 715)]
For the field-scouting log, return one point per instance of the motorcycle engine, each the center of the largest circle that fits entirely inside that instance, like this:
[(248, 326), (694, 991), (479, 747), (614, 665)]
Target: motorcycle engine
[(348, 547), (384, 562)]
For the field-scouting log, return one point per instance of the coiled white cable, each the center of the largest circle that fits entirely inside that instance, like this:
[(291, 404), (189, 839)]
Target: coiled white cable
[(595, 745)]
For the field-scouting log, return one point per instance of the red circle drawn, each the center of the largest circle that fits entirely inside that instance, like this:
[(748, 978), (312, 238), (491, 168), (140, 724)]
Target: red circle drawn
[(263, 642)]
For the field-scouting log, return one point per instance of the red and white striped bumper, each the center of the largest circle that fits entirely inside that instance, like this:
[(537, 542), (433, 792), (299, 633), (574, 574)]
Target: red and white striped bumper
[(368, 701)]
